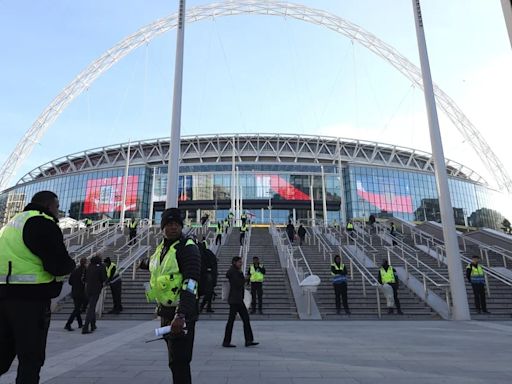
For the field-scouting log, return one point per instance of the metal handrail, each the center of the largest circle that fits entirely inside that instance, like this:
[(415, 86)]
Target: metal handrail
[(244, 249), (93, 247), (366, 276), (484, 248)]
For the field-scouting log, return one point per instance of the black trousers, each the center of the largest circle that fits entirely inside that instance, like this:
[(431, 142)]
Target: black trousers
[(479, 292), (244, 315), (78, 303), (257, 290), (218, 239), (23, 331), (116, 289), (133, 233), (395, 295), (340, 292), (90, 316), (242, 238), (179, 348), (301, 239)]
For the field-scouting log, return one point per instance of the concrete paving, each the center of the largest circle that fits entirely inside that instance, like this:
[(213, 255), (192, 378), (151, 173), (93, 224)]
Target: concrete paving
[(291, 352)]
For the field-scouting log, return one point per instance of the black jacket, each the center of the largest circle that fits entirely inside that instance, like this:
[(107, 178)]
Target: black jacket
[(301, 232), (95, 278), (77, 282), (236, 286), (44, 239)]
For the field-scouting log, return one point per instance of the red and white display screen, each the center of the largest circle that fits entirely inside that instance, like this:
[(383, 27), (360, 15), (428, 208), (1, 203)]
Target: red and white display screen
[(106, 195)]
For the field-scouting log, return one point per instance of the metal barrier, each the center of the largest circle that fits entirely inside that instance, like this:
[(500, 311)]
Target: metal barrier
[(299, 265)]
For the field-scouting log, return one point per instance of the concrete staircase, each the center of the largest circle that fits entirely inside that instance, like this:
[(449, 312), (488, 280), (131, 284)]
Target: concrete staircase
[(361, 306), (278, 301)]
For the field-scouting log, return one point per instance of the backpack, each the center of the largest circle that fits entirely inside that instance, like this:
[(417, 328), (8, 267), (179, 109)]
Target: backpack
[(209, 270)]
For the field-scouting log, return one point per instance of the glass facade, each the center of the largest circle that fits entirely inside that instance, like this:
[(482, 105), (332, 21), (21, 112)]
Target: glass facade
[(268, 190)]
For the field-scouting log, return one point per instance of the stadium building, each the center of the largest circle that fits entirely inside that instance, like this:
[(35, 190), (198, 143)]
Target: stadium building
[(280, 177)]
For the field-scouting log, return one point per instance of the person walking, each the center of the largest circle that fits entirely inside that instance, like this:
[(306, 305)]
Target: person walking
[(132, 227), (243, 230), (256, 277), (175, 270), (226, 225), (387, 275), (77, 282), (244, 218), (33, 263), (476, 276), (302, 234), (339, 282), (208, 282), (218, 232), (115, 282), (236, 304), (392, 232), (290, 231), (95, 277)]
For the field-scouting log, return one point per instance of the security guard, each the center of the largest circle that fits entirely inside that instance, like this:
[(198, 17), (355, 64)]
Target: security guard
[(175, 269), (339, 282), (115, 282), (476, 276), (256, 277), (33, 261), (244, 218), (243, 229), (132, 227), (387, 275), (218, 232), (350, 228)]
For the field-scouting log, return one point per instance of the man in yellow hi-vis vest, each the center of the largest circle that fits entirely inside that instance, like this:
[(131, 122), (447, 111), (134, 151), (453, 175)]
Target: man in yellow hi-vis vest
[(33, 263), (256, 276), (175, 269), (476, 276), (387, 275)]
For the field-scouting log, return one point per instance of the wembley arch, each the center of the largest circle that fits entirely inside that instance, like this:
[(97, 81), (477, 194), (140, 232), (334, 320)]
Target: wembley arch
[(252, 7)]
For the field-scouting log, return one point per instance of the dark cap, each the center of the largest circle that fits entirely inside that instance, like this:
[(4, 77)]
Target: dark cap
[(170, 215)]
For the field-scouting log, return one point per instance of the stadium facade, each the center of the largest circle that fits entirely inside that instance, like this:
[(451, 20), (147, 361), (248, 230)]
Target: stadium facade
[(280, 177)]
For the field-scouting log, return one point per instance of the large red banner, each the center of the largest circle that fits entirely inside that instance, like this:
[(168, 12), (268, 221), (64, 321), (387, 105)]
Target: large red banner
[(106, 195)]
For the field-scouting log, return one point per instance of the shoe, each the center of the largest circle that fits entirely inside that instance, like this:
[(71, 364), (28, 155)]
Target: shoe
[(68, 327), (400, 312), (390, 311), (210, 310), (85, 331), (93, 327), (347, 312), (251, 344), (112, 311), (229, 346), (487, 312)]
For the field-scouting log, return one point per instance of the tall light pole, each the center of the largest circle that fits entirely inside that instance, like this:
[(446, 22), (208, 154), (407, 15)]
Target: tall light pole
[(174, 145), (125, 184), (507, 12), (457, 286)]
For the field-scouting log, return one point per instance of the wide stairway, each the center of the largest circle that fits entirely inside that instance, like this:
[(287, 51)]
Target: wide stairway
[(499, 303), (278, 301)]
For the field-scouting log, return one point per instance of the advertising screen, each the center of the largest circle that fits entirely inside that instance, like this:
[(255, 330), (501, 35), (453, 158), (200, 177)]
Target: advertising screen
[(273, 184), (384, 196), (106, 195)]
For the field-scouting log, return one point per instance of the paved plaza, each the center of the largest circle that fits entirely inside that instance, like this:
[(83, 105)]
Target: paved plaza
[(291, 352)]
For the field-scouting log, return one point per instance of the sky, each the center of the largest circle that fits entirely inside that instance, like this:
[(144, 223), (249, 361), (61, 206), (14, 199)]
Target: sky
[(250, 73)]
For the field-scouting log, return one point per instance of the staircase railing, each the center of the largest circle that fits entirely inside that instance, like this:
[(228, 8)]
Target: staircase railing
[(98, 244), (244, 249), (299, 265)]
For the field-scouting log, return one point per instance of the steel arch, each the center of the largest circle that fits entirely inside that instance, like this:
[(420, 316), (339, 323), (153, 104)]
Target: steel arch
[(255, 7)]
